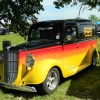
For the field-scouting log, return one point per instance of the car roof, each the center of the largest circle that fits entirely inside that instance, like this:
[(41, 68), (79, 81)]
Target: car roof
[(70, 20), (60, 23)]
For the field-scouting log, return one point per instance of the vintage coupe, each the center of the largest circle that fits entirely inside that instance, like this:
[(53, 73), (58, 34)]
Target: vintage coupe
[(54, 49)]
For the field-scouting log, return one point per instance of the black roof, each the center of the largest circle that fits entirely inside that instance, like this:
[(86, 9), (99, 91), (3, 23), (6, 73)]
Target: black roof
[(60, 22), (71, 20)]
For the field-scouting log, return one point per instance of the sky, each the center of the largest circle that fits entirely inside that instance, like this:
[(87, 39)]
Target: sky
[(52, 13)]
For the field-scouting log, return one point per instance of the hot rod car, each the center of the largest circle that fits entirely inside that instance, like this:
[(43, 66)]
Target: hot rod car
[(54, 49)]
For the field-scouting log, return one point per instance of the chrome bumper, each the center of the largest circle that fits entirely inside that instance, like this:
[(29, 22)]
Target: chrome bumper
[(20, 88)]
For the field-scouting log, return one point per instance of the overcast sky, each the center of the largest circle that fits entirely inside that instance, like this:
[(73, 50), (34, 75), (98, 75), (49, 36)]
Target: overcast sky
[(51, 13)]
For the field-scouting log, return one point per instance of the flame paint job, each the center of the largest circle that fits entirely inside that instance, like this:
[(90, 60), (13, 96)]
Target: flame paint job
[(70, 58)]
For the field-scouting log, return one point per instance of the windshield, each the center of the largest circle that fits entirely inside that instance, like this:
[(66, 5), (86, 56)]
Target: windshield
[(45, 31)]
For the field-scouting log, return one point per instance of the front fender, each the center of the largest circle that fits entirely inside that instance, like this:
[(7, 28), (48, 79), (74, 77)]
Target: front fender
[(40, 70)]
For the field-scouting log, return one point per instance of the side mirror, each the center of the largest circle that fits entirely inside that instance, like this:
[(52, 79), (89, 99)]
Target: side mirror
[(68, 38)]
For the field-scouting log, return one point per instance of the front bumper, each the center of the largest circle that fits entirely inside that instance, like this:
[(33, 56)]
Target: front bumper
[(20, 88)]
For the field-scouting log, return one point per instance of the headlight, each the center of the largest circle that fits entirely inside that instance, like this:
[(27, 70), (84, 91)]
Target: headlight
[(30, 61), (1, 58)]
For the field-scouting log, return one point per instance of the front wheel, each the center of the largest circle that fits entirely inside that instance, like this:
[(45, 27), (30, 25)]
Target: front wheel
[(51, 82), (94, 59)]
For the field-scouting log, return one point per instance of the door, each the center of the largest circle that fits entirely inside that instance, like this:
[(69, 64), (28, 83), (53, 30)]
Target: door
[(86, 41), (71, 47)]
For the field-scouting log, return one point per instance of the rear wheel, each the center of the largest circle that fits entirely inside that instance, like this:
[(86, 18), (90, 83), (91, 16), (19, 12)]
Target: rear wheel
[(94, 59), (51, 82)]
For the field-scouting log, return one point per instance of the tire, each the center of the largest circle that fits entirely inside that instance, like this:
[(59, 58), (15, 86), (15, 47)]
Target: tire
[(94, 59), (51, 82)]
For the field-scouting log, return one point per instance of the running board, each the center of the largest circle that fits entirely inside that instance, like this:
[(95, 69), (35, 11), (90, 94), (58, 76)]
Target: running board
[(20, 88), (79, 68)]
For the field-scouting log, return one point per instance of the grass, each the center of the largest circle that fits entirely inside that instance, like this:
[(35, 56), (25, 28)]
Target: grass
[(83, 86), (14, 38)]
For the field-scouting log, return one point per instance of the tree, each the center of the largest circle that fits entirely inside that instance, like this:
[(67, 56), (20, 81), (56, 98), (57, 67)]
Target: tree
[(17, 11), (93, 18), (84, 4), (90, 3)]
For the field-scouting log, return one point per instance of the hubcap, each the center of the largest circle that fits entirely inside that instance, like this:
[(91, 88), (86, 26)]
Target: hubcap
[(94, 60), (52, 80)]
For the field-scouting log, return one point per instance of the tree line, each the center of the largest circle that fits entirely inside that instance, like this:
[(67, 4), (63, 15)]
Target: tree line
[(17, 12)]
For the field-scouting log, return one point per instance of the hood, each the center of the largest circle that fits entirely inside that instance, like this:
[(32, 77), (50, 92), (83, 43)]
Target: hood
[(41, 43)]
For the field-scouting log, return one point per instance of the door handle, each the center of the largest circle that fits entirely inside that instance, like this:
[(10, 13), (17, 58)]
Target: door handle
[(78, 46)]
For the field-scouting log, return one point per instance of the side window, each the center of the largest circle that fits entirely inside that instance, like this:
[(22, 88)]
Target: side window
[(70, 33), (35, 34), (74, 32), (86, 31)]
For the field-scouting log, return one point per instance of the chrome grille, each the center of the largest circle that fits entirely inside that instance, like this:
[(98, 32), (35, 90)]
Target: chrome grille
[(10, 66)]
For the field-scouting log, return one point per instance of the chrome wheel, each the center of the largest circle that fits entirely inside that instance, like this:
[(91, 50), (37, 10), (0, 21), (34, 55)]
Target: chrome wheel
[(52, 80), (94, 59)]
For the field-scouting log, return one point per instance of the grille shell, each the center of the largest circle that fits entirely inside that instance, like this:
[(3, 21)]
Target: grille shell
[(10, 66)]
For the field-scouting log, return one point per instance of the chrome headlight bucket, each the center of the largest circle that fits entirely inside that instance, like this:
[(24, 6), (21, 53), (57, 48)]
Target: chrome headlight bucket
[(30, 61)]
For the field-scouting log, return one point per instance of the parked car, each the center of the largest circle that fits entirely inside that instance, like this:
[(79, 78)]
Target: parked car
[(98, 30), (3, 31), (54, 48)]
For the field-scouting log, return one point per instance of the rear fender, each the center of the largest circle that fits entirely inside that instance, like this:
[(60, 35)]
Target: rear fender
[(90, 54)]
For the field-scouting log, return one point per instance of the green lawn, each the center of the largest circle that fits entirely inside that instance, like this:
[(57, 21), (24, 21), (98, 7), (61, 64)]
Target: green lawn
[(82, 86), (14, 38)]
